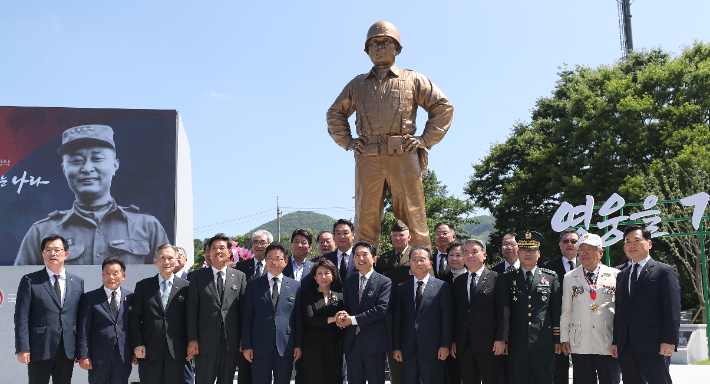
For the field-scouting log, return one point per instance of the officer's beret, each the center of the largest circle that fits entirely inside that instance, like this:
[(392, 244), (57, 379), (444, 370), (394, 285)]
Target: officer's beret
[(529, 239), (82, 135)]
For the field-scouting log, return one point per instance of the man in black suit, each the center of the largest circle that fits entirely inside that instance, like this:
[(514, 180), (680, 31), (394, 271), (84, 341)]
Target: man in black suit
[(252, 269), (422, 322), (647, 315), (297, 266), (509, 249), (214, 316), (157, 320), (341, 257), (482, 312), (563, 265), (45, 316), (103, 334), (444, 234), (366, 298)]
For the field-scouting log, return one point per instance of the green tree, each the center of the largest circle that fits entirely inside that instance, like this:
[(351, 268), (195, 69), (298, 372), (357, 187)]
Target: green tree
[(440, 206), (599, 127)]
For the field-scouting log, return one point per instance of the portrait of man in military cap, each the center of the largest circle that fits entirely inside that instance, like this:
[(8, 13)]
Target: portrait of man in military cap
[(95, 226)]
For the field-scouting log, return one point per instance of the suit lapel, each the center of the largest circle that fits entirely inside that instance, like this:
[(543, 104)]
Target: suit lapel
[(50, 289), (428, 292), (103, 299), (229, 282), (122, 304), (158, 293), (212, 286), (368, 287), (173, 292), (481, 281), (643, 274), (267, 292)]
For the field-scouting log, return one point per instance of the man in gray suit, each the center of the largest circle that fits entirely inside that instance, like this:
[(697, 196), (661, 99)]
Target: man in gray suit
[(45, 316), (214, 305)]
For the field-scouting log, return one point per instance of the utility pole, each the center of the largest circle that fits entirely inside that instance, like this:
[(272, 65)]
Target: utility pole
[(627, 41), (278, 218)]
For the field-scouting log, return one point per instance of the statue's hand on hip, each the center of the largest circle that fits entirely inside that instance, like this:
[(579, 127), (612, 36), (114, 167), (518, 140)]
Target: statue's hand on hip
[(355, 145), (411, 143)]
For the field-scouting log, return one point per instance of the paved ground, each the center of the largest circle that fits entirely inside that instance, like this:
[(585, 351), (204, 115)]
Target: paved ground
[(681, 374)]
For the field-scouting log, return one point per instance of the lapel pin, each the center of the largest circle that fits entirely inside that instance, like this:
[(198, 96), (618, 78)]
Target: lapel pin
[(371, 294), (130, 308), (291, 298), (234, 287)]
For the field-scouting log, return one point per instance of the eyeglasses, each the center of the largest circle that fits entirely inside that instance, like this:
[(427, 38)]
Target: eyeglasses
[(49, 251), (441, 233), (510, 245), (568, 241)]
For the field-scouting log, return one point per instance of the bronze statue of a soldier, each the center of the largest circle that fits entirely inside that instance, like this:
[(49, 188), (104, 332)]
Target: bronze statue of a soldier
[(388, 155)]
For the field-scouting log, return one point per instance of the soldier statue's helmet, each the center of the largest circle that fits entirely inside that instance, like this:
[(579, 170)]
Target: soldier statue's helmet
[(383, 28), (92, 134), (529, 240)]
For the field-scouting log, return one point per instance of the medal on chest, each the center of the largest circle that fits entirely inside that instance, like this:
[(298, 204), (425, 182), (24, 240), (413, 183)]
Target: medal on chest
[(594, 307)]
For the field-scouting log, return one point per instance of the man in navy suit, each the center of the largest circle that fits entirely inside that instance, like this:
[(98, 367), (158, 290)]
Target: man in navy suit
[(45, 316), (254, 268), (647, 315), (103, 336), (158, 327), (482, 318), (297, 266), (214, 305), (366, 298), (272, 326), (422, 323)]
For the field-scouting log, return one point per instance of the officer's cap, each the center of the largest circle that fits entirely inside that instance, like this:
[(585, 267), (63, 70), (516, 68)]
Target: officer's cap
[(591, 239), (93, 134), (529, 239), (399, 226)]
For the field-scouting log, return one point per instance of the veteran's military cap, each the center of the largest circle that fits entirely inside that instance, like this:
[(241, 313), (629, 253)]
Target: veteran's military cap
[(86, 134), (399, 226), (591, 239), (529, 239)]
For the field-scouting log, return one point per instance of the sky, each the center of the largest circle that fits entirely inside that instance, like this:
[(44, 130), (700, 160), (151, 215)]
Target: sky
[(252, 81)]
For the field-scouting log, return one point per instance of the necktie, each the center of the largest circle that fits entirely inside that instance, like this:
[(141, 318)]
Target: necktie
[(343, 267), (220, 285), (114, 305), (359, 297), (258, 270), (528, 279), (58, 289), (275, 291), (418, 299), (166, 293), (634, 274), (472, 287), (571, 265), (442, 256), (590, 276)]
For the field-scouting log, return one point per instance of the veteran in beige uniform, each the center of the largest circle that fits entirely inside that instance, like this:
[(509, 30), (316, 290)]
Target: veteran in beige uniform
[(95, 227), (388, 155), (586, 324)]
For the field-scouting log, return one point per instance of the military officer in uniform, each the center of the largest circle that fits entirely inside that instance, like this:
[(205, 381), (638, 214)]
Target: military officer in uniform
[(387, 154), (394, 264), (587, 320), (535, 304), (95, 226)]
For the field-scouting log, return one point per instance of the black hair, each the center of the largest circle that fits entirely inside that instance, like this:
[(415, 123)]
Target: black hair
[(370, 247), (421, 247), (220, 238), (635, 227), (114, 260), (304, 233), (53, 237), (276, 245), (344, 221)]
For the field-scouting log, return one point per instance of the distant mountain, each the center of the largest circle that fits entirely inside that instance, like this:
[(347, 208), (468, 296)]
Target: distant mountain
[(483, 230), (295, 220)]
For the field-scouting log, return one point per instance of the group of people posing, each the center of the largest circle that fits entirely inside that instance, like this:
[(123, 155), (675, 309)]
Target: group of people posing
[(435, 316)]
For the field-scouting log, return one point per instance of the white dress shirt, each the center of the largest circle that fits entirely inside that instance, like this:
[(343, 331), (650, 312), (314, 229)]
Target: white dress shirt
[(224, 274), (516, 265), (62, 282), (347, 260), (425, 280), (271, 282), (566, 261)]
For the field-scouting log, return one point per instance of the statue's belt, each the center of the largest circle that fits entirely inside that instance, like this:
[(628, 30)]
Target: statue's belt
[(380, 145)]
